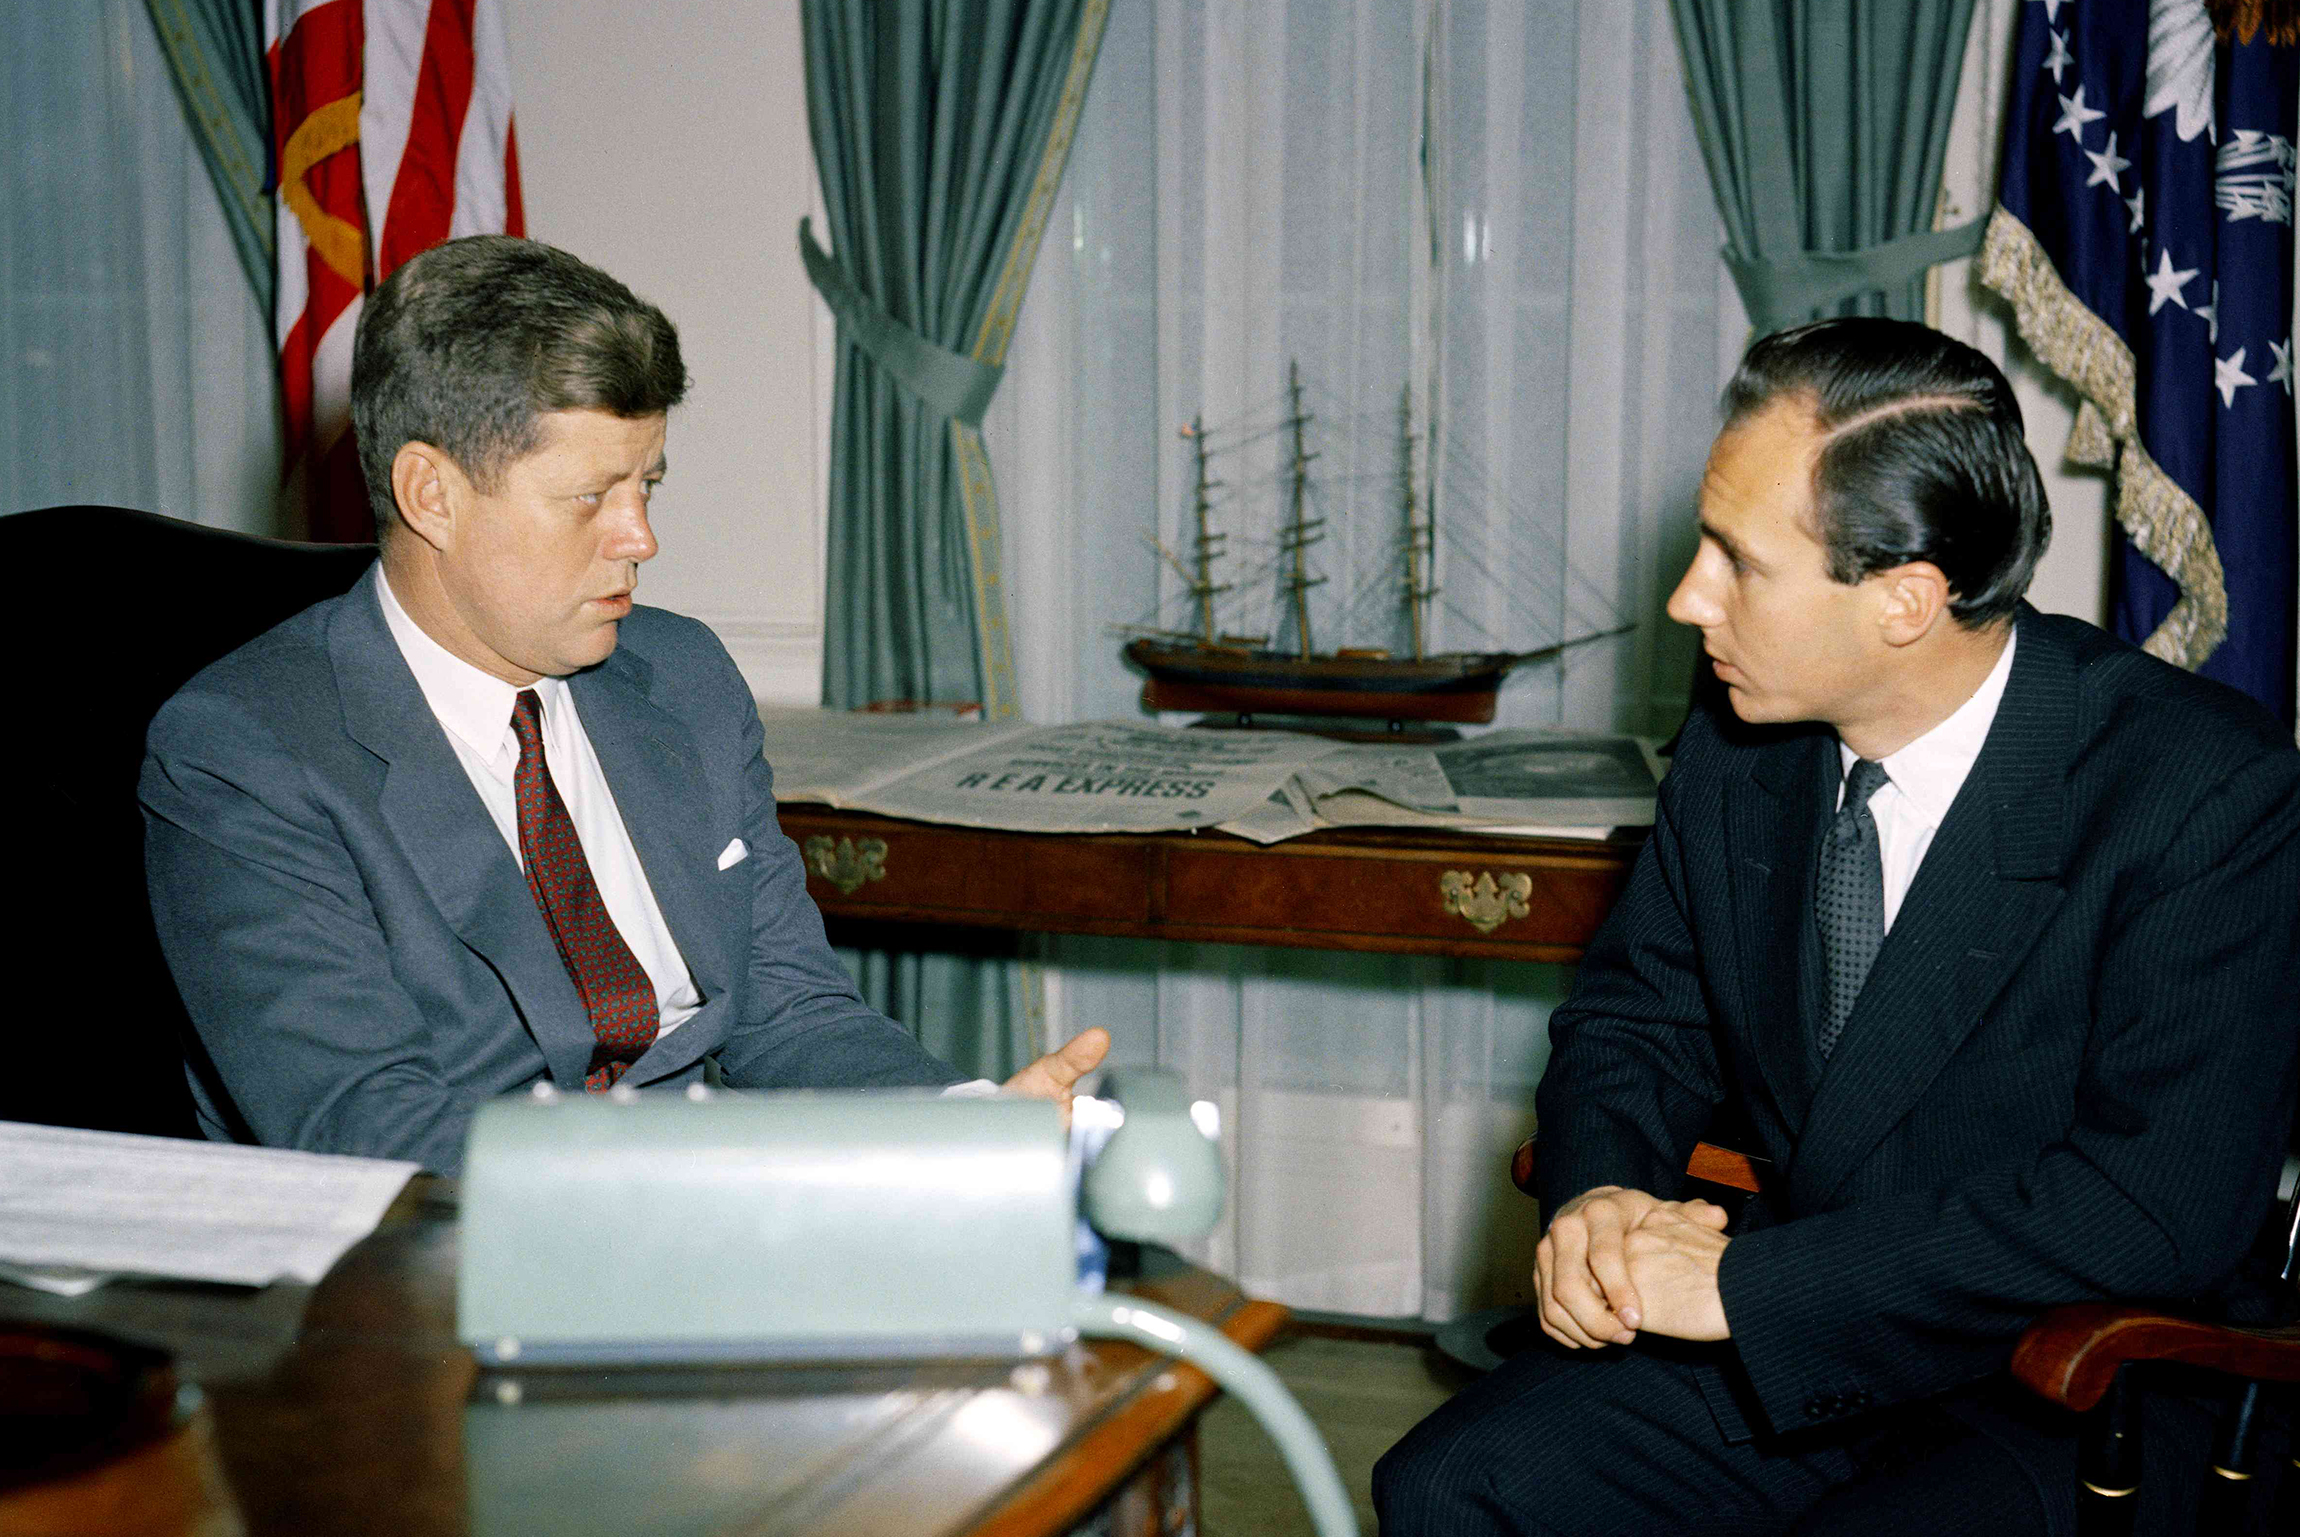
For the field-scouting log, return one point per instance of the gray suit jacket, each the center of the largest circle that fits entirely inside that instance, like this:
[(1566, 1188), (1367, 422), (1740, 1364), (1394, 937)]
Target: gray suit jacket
[(355, 943)]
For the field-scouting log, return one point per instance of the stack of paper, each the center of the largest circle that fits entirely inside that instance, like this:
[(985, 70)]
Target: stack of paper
[(80, 1207)]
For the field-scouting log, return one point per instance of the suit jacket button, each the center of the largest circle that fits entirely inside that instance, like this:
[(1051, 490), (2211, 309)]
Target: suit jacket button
[(1816, 1408)]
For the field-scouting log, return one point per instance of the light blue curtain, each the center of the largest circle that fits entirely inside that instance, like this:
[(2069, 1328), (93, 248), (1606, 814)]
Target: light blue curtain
[(940, 128), (215, 51), (137, 368)]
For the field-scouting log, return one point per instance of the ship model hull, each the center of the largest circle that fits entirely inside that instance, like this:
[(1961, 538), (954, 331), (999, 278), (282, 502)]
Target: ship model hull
[(1458, 687)]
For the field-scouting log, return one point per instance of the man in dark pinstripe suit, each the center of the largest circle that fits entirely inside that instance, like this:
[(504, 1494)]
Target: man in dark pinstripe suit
[(2058, 1067)]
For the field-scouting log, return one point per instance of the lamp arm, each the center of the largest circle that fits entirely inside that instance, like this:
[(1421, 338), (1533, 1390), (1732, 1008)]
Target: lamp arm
[(1111, 1316)]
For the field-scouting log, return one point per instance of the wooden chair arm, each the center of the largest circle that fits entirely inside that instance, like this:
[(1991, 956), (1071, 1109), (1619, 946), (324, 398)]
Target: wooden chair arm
[(1723, 1166), (1716, 1165), (2071, 1354)]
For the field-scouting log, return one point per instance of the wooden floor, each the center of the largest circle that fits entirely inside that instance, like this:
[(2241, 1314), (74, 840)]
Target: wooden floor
[(1363, 1395)]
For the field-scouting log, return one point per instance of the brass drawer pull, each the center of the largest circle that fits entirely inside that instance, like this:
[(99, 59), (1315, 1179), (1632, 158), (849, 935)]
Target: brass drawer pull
[(1485, 902), (847, 864)]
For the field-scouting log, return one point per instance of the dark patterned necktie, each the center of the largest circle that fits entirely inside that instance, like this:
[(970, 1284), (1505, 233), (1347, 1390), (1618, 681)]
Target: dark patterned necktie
[(613, 985), (1849, 898)]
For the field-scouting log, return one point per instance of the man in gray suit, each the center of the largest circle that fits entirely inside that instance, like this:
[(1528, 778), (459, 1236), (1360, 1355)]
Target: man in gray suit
[(481, 823)]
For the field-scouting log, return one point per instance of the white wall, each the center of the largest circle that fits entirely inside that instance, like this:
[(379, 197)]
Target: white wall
[(667, 143)]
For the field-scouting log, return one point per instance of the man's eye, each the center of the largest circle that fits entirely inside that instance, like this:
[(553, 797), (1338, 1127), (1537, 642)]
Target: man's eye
[(648, 488)]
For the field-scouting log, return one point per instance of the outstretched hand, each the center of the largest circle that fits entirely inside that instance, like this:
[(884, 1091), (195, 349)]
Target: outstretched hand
[(1055, 1076)]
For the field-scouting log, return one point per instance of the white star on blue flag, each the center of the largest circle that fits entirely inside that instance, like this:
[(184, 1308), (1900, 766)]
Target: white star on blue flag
[(2165, 283), (2074, 114), (2228, 376)]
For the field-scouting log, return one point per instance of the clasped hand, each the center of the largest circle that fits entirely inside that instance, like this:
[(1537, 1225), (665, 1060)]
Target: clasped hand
[(1618, 1261)]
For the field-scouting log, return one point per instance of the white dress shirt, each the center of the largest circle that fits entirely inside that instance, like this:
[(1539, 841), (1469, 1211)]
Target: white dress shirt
[(1924, 779), (474, 708)]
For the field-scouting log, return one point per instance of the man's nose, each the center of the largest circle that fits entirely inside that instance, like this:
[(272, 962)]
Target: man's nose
[(1692, 602), (634, 539)]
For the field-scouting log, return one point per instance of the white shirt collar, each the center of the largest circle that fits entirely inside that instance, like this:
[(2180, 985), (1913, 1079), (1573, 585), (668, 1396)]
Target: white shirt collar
[(1931, 770), (473, 704)]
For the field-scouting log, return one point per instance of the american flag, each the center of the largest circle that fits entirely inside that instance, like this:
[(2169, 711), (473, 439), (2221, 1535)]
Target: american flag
[(397, 106), (2144, 238)]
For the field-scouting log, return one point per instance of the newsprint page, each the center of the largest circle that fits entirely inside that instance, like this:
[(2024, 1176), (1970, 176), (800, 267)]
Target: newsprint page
[(1135, 776)]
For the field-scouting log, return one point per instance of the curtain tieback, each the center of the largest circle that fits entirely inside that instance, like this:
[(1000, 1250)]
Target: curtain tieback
[(949, 383), (1774, 292)]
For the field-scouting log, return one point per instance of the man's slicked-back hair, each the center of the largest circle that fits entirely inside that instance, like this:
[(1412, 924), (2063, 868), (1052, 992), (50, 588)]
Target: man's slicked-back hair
[(467, 345), (1922, 457)]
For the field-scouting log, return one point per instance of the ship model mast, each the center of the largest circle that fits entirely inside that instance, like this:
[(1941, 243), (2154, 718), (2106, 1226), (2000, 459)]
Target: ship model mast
[(1208, 546), (1421, 535), (1301, 531)]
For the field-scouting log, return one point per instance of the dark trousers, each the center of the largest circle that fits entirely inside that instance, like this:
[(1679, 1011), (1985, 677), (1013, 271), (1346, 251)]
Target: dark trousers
[(1556, 1443)]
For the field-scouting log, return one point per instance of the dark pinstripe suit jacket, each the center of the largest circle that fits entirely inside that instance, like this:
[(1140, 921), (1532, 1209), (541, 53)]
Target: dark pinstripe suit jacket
[(2070, 1076)]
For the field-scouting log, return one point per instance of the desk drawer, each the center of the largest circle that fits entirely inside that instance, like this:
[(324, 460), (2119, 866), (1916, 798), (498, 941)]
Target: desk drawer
[(916, 872), (1467, 902)]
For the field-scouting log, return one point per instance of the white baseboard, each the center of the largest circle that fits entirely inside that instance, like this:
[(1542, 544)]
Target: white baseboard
[(781, 659)]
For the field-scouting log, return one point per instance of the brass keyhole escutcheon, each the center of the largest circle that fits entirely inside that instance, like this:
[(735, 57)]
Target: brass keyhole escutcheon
[(1486, 902), (845, 863)]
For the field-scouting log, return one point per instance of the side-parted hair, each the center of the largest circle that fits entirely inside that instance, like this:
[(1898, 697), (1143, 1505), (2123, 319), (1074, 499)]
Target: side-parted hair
[(468, 344), (1923, 455)]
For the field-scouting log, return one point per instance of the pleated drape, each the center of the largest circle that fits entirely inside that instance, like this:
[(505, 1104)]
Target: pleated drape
[(215, 51), (940, 128), (1823, 123)]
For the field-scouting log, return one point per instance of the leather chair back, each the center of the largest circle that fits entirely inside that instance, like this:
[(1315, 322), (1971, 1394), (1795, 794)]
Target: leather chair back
[(111, 612)]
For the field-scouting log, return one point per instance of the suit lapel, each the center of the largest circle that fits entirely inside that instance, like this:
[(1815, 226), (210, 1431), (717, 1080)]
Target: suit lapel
[(1985, 890), (655, 771), (1772, 821), (445, 833)]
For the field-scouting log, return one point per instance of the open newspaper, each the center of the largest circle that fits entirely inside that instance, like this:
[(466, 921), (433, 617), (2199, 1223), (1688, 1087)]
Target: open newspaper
[(1134, 776)]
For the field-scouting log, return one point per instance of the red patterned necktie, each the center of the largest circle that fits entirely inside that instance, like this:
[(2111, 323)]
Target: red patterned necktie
[(614, 987)]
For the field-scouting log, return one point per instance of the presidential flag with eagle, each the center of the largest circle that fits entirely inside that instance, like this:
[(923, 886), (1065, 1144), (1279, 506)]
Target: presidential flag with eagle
[(2143, 236)]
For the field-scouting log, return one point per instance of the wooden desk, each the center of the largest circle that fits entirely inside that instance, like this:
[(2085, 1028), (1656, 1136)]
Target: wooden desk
[(349, 1409), (1410, 893)]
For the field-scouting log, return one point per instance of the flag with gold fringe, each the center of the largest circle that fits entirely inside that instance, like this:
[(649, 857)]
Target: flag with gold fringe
[(2143, 236)]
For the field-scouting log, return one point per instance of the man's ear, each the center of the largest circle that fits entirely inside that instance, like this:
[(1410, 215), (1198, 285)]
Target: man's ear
[(429, 489), (1916, 596)]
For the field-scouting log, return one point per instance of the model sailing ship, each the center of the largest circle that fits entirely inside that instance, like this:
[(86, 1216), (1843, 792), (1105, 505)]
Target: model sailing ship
[(1205, 669)]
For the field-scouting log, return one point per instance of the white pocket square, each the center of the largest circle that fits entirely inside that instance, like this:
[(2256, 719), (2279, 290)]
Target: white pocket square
[(734, 854)]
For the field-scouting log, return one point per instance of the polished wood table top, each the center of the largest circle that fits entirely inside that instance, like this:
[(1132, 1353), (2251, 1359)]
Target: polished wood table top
[(1371, 889), (349, 1408)]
